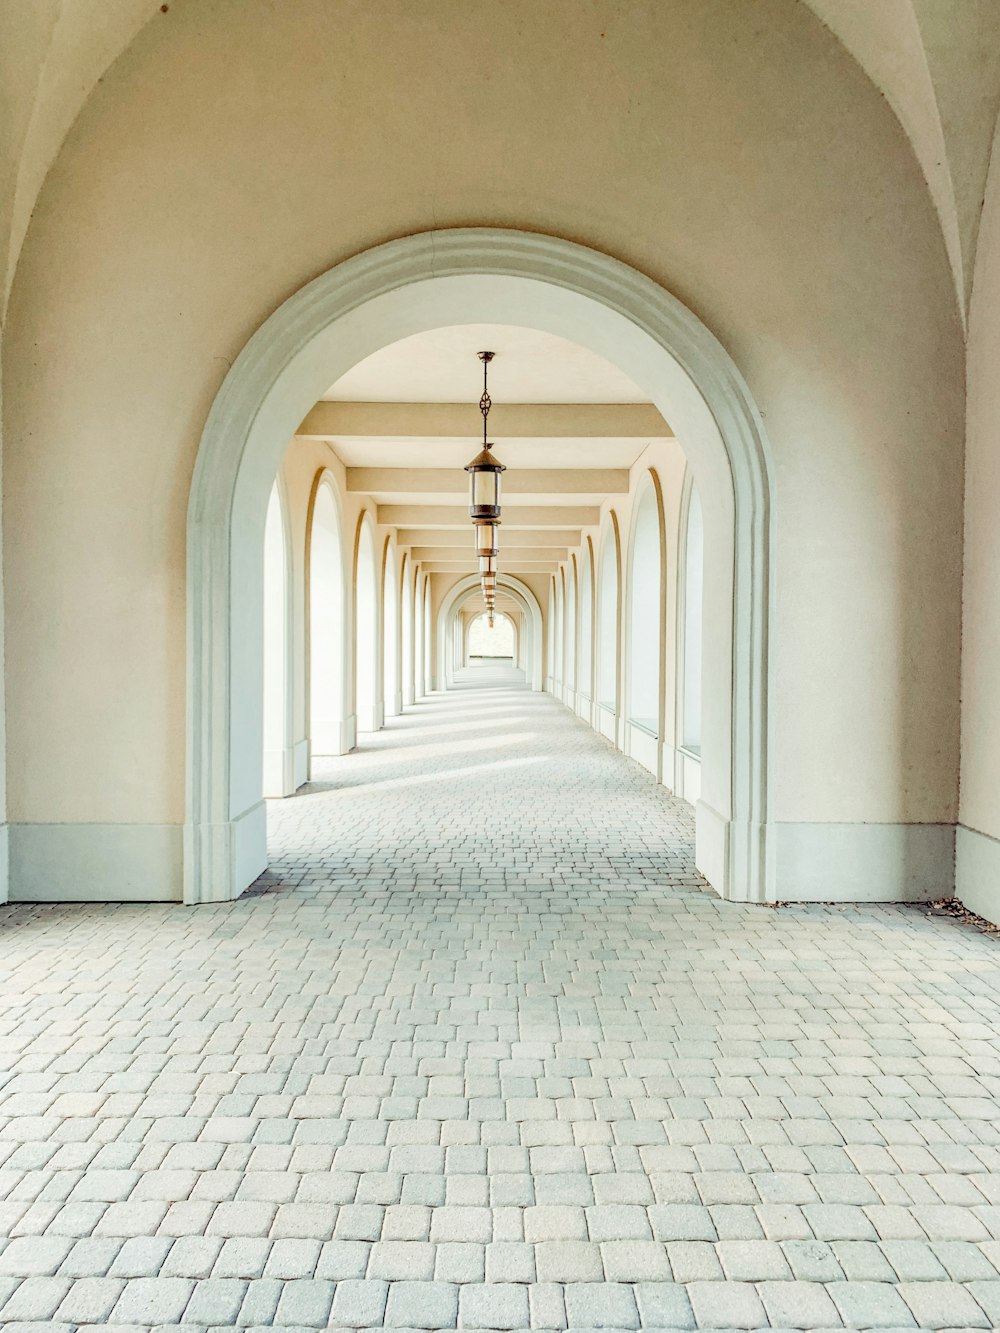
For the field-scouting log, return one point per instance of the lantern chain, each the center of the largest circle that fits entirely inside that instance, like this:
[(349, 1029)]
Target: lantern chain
[(486, 402)]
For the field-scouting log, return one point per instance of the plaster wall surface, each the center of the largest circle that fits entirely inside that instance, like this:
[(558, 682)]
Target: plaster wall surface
[(232, 154), (978, 837)]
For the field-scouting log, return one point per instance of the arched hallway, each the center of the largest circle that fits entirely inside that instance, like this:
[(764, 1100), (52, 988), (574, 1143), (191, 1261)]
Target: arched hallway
[(482, 1050)]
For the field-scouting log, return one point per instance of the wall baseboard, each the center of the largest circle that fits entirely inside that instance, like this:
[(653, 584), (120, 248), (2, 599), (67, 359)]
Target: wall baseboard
[(89, 863), (977, 872), (4, 863), (873, 863)]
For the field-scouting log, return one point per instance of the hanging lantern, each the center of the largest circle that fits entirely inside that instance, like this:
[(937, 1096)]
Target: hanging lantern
[(487, 537), (491, 619), (489, 582), (487, 564), (484, 470)]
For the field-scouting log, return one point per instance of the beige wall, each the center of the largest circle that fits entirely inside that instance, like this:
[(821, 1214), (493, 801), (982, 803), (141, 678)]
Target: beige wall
[(232, 154), (979, 838)]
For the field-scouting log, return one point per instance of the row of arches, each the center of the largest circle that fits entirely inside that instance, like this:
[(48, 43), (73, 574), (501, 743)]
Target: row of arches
[(365, 633), (612, 655)]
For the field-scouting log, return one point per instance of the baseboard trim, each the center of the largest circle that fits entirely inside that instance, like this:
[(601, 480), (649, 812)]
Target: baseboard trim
[(95, 863), (977, 872), (4, 863), (874, 863)]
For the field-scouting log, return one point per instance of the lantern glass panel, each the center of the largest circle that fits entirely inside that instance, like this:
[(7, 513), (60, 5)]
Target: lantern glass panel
[(485, 488), (487, 538)]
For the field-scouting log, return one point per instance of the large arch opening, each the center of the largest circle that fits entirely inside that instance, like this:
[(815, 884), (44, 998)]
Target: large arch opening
[(425, 282)]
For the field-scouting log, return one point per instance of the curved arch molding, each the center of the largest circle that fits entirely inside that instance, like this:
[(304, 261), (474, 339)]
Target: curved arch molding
[(373, 299)]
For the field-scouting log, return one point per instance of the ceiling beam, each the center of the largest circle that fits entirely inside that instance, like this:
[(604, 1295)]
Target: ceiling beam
[(513, 539), (521, 481), (546, 554), (506, 566), (511, 421), (514, 516)]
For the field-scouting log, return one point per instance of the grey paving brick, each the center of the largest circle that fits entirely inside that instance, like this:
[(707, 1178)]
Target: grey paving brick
[(495, 1305), (359, 1303), (153, 1300), (305, 1301), (421, 1305), (216, 1301)]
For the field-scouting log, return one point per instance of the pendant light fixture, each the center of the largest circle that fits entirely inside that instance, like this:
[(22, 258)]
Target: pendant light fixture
[(484, 498), (484, 470)]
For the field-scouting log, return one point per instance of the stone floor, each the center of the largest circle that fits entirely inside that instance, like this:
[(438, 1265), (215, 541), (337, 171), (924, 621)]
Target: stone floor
[(482, 1050)]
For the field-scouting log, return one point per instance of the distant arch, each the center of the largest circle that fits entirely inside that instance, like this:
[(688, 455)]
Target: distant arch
[(331, 728), (586, 687), (366, 628), (609, 621), (530, 642), (392, 696), (278, 774)]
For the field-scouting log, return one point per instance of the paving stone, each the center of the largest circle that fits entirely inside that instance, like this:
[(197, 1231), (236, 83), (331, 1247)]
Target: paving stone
[(153, 1300), (305, 1301), (545, 1054), (90, 1300), (870, 1305), (568, 1261), (494, 1305), (943, 1305), (421, 1305), (726, 1304), (359, 1303), (798, 1305), (664, 1305), (34, 1256), (35, 1299), (216, 1301)]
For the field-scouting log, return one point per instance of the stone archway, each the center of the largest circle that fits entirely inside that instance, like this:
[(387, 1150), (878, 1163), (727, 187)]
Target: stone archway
[(408, 286)]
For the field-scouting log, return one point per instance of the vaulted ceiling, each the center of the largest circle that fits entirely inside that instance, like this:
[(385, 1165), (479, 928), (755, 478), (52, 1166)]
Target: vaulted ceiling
[(937, 64)]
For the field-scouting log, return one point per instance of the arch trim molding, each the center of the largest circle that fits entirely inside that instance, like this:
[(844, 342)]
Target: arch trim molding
[(255, 413)]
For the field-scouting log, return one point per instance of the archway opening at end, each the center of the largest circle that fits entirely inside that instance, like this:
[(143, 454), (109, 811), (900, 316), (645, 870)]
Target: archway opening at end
[(493, 644)]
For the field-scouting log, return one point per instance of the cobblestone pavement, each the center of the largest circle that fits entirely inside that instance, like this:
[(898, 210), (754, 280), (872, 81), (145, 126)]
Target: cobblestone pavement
[(482, 1050)]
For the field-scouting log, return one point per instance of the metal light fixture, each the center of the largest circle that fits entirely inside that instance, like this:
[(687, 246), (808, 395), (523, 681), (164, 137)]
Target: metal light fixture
[(487, 564), (484, 470), (487, 538), (489, 582)]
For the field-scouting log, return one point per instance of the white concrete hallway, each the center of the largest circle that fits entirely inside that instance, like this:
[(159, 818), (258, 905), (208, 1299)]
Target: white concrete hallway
[(481, 1050)]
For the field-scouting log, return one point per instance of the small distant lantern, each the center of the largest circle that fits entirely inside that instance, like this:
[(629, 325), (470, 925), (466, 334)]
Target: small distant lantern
[(484, 470), (487, 564), (491, 619), (489, 582), (487, 538)]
